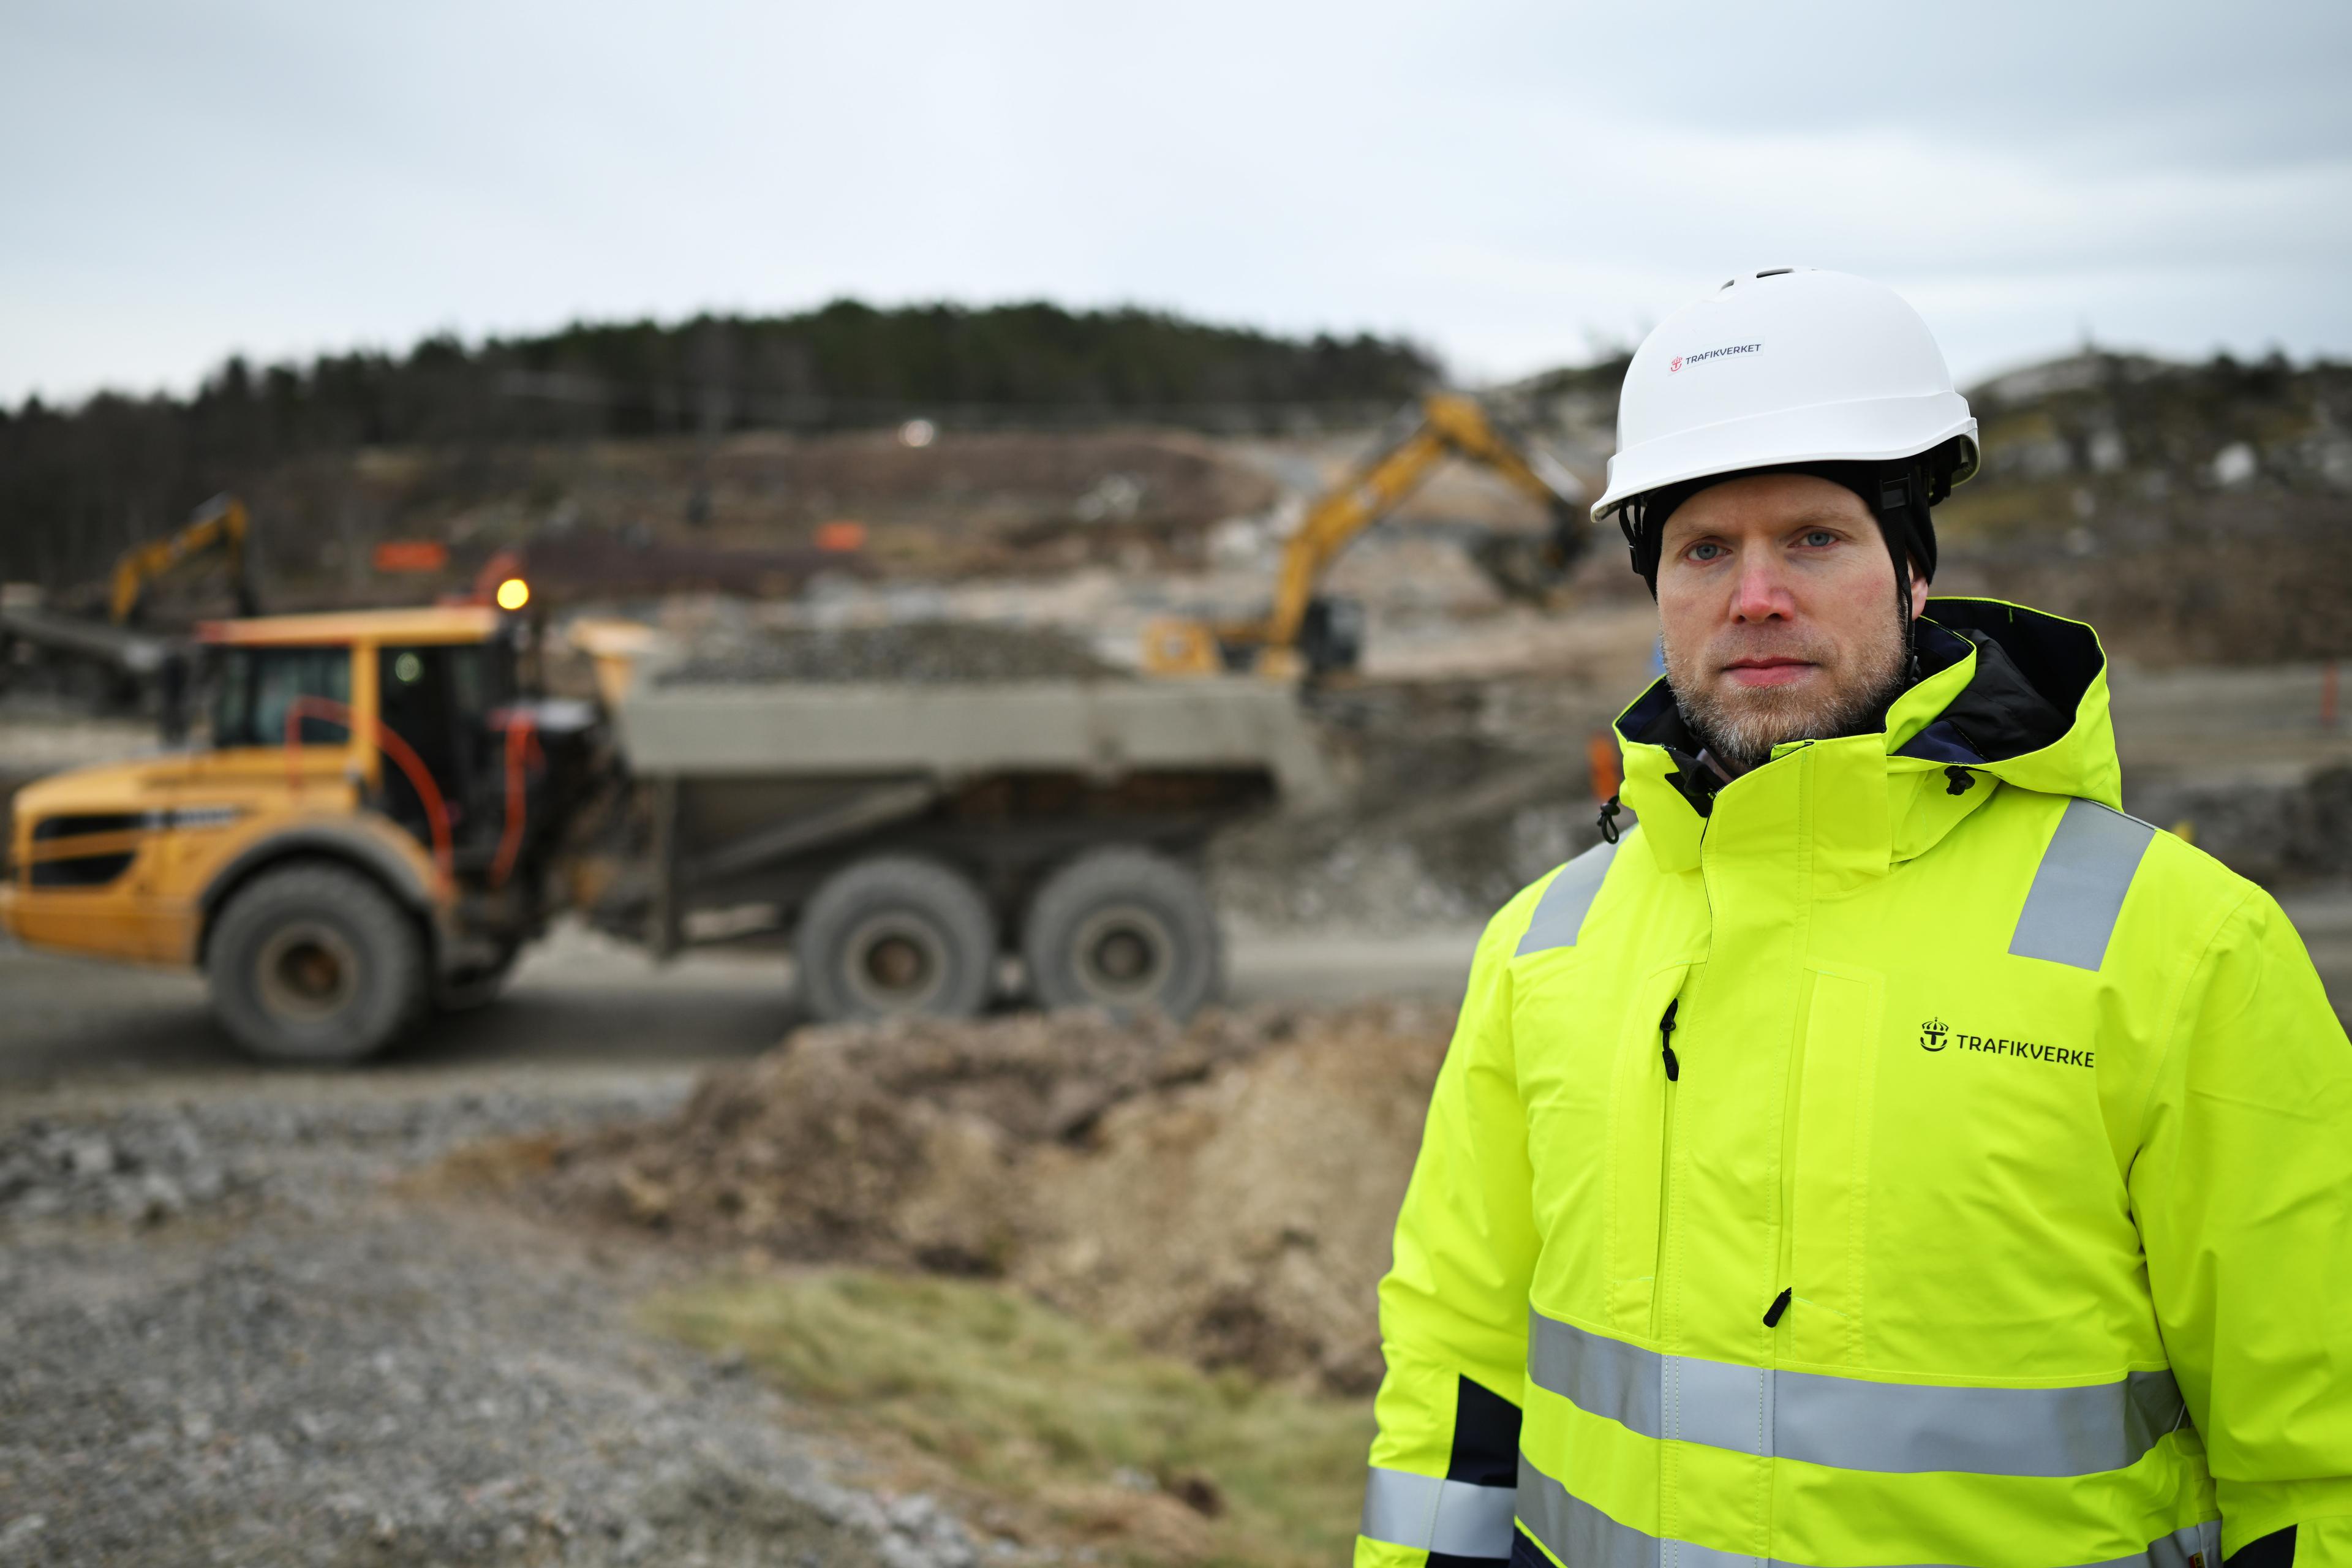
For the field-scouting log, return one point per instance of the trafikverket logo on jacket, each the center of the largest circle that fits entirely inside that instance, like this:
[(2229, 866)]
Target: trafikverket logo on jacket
[(1934, 1035)]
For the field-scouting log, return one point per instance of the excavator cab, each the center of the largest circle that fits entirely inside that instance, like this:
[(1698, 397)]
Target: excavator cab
[(1331, 635)]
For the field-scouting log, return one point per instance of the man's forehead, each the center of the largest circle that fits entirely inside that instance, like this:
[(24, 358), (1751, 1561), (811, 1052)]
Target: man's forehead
[(1768, 500)]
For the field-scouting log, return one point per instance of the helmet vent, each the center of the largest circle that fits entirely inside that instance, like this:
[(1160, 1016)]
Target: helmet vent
[(1775, 271)]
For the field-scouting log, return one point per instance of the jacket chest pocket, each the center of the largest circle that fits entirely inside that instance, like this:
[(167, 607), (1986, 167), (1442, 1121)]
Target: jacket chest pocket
[(1825, 1158), (1590, 1080), (1641, 1151)]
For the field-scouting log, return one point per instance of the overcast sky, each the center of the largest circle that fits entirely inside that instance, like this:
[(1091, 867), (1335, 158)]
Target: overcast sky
[(1512, 184)]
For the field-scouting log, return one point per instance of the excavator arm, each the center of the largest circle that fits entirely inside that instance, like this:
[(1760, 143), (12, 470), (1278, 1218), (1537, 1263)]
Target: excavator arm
[(219, 524), (1450, 426)]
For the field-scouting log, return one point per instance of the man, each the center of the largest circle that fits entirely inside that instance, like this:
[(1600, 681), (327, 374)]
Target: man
[(1887, 1153)]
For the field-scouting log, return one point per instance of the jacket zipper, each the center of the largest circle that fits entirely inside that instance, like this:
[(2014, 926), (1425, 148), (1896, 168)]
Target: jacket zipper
[(1673, 1065), (1785, 1254)]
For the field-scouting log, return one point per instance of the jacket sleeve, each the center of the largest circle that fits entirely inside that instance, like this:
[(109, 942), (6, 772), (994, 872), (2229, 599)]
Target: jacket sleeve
[(1454, 1305), (2243, 1187)]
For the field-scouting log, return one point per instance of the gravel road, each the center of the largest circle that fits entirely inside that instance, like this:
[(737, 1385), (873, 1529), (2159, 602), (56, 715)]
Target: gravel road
[(580, 1002), (237, 1335)]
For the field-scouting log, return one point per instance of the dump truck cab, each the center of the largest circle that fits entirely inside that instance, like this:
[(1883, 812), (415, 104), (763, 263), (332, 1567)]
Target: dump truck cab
[(350, 843)]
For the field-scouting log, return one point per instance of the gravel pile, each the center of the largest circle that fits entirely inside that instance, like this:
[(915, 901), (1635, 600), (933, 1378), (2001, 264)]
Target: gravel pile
[(315, 1365), (154, 1163), (922, 653)]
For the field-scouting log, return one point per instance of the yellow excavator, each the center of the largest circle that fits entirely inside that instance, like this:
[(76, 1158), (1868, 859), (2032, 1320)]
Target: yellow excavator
[(117, 662), (1306, 633), (219, 524)]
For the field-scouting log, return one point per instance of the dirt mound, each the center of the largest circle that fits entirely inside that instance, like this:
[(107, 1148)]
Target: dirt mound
[(1245, 1220), (1225, 1191), (919, 653)]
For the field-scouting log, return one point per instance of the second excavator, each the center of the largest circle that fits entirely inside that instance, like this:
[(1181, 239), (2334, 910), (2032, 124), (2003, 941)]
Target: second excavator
[(1307, 633)]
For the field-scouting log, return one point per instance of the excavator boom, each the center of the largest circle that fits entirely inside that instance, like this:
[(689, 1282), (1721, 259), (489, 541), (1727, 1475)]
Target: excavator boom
[(1450, 426), (219, 524)]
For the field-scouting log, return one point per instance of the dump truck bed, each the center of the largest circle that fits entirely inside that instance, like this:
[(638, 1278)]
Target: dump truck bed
[(1101, 729)]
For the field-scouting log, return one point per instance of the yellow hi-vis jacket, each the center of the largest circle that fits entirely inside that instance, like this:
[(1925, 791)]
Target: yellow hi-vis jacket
[(1896, 1156)]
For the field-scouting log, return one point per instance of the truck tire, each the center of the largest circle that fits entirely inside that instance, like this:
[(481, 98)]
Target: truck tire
[(896, 934), (1126, 931), (315, 965)]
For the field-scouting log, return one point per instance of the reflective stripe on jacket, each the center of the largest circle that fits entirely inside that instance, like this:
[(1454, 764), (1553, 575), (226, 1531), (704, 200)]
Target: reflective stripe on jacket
[(1898, 1157)]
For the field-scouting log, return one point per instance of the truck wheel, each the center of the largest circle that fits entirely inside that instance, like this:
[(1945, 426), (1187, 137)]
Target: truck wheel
[(896, 934), (315, 965), (1123, 930)]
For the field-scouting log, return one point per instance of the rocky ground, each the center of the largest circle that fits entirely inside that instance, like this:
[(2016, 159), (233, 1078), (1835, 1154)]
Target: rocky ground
[(240, 1330)]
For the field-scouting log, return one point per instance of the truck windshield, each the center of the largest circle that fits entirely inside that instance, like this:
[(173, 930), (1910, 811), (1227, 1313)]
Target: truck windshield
[(258, 685)]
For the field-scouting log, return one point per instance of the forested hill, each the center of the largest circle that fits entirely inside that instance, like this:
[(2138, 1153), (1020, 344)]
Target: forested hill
[(77, 483), (846, 364)]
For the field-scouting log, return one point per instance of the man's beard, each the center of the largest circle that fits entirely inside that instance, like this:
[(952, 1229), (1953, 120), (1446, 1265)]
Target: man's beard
[(1740, 725)]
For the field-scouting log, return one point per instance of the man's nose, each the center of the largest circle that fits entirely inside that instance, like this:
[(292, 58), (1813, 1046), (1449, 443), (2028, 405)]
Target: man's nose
[(1760, 593)]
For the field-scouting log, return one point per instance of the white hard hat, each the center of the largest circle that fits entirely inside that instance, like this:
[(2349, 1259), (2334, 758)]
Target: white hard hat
[(1784, 366)]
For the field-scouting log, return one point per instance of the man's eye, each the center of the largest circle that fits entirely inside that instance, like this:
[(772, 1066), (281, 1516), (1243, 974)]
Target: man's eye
[(1820, 537), (1706, 552)]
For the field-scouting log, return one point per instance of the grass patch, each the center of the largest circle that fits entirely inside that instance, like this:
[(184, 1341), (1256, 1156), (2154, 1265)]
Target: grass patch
[(1051, 1424)]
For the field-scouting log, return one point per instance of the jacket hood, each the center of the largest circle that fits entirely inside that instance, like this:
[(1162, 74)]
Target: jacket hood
[(2004, 690)]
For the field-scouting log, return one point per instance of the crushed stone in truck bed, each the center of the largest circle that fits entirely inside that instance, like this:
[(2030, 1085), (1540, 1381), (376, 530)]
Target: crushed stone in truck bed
[(1223, 1192), (922, 653)]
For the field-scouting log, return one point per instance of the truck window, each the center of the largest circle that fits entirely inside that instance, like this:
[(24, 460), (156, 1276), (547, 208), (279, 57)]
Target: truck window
[(258, 685), (439, 698)]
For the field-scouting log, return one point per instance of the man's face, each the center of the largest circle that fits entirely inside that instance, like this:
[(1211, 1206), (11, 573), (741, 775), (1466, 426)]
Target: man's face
[(1776, 599)]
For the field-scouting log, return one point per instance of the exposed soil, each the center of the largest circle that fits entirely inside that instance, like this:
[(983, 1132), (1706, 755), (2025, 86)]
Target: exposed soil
[(969, 502), (1223, 1192)]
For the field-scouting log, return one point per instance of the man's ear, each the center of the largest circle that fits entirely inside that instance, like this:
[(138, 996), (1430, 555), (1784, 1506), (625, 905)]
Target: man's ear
[(1919, 593)]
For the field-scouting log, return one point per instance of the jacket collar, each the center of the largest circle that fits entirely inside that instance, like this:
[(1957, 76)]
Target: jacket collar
[(2008, 697)]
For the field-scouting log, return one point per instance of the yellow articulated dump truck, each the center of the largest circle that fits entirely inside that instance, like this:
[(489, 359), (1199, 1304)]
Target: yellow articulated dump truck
[(379, 817)]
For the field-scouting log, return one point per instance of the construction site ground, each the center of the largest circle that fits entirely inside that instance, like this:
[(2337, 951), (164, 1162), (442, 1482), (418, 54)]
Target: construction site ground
[(254, 1313), (280, 1316), (599, 1276)]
